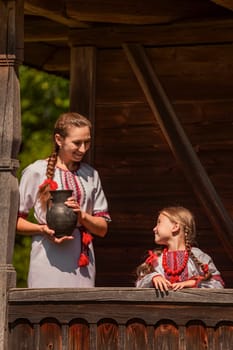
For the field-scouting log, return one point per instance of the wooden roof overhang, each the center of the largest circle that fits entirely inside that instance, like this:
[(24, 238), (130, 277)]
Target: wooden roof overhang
[(50, 28)]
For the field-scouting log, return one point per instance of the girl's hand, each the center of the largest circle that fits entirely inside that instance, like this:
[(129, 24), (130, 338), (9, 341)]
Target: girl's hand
[(184, 284), (161, 283)]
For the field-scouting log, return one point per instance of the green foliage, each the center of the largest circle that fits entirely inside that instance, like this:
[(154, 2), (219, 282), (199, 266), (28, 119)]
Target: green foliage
[(43, 98)]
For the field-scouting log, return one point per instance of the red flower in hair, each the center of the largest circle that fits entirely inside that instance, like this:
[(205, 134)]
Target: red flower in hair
[(152, 258), (52, 184)]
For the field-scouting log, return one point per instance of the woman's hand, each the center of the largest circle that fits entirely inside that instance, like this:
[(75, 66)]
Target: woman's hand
[(94, 224), (72, 203), (50, 235)]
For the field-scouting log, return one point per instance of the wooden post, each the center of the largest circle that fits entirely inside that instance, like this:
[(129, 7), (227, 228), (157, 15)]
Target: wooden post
[(82, 86), (11, 48)]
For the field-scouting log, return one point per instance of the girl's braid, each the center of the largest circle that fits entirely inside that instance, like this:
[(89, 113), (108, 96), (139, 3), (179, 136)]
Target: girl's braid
[(207, 274)]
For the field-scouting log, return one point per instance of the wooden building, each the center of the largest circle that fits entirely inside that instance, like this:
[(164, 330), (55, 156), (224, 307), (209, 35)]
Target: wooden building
[(156, 79)]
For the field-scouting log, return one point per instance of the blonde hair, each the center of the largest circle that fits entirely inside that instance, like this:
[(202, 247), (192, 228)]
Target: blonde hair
[(185, 218)]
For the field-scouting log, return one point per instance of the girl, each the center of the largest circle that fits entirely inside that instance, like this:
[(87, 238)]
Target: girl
[(178, 265), (67, 261)]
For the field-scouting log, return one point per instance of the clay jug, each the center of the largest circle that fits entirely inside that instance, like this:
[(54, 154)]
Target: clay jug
[(59, 217)]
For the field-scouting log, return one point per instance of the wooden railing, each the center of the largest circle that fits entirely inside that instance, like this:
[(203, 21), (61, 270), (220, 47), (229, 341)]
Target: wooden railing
[(120, 318)]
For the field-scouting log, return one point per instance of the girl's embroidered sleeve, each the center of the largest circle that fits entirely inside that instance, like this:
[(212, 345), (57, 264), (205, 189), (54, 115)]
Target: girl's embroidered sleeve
[(215, 280), (146, 281)]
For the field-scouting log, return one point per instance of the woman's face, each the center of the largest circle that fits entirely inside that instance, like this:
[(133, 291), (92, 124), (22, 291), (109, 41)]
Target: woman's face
[(164, 229), (74, 146)]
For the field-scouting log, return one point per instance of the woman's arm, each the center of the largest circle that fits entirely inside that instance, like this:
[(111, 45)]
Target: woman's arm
[(25, 227), (94, 224)]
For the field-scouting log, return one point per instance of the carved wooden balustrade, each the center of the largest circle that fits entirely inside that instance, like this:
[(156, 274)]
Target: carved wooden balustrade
[(120, 318)]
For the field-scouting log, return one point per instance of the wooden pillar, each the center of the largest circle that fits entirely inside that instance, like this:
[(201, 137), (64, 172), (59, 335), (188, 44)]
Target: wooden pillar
[(11, 49), (82, 85)]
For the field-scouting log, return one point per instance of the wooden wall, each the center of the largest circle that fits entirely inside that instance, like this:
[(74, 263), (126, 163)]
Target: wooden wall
[(139, 172)]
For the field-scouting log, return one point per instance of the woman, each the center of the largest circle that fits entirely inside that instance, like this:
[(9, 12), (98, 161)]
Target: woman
[(66, 261)]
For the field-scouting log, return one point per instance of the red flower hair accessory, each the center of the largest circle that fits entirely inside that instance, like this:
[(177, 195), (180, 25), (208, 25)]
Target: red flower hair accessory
[(52, 184), (152, 258), (86, 239)]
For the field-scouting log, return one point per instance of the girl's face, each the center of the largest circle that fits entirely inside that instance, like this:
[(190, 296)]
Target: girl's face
[(164, 230), (74, 146)]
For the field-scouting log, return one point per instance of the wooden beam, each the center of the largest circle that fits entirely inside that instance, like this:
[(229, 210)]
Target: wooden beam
[(45, 30), (136, 12), (11, 54), (53, 10), (228, 4), (191, 33), (180, 145)]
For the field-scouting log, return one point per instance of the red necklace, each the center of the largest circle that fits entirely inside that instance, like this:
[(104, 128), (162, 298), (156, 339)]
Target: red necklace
[(176, 272)]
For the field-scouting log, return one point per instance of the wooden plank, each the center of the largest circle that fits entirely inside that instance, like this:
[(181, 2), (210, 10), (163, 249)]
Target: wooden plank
[(224, 336), (167, 336), (136, 335), (50, 335), (25, 296), (196, 336), (79, 335), (107, 335), (142, 12), (193, 32), (53, 10), (21, 336), (180, 145), (44, 30), (189, 75), (92, 312)]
